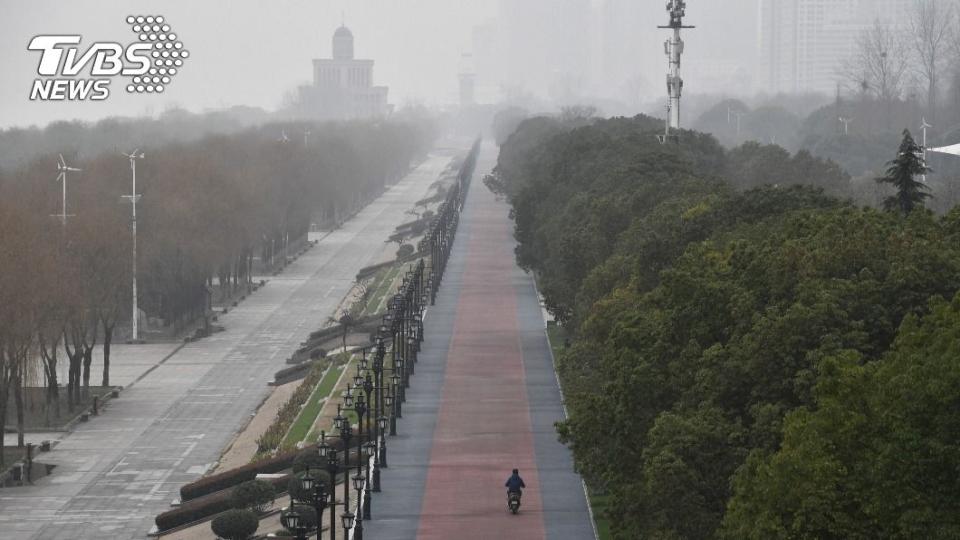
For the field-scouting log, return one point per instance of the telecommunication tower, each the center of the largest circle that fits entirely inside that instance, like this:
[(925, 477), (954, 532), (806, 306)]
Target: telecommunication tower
[(673, 47)]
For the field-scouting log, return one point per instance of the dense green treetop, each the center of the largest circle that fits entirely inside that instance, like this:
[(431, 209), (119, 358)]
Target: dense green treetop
[(713, 304)]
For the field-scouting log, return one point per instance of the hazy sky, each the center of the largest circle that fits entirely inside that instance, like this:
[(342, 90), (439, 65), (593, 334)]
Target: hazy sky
[(247, 52)]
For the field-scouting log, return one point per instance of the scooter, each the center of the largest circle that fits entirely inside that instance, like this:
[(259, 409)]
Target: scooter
[(513, 501)]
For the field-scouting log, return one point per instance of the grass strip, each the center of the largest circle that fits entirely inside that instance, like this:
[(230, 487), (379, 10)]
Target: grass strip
[(382, 290), (312, 408)]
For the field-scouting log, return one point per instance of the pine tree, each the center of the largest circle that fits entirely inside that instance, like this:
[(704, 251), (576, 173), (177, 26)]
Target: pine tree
[(901, 173)]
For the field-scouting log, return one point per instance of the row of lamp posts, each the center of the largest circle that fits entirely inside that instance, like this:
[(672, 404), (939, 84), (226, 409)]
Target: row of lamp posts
[(375, 398)]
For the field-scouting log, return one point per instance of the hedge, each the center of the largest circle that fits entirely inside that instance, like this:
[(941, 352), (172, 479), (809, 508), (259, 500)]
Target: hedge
[(227, 479), (294, 372), (204, 507)]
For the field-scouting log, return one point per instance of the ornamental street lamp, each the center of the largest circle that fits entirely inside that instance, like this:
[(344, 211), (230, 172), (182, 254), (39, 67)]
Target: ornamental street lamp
[(333, 467), (346, 433), (373, 478), (291, 520), (369, 451), (365, 383), (347, 518), (358, 487), (338, 419), (382, 423), (397, 397), (316, 492), (361, 408), (389, 402)]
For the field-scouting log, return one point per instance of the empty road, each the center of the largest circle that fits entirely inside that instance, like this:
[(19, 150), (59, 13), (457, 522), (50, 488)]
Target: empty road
[(115, 473)]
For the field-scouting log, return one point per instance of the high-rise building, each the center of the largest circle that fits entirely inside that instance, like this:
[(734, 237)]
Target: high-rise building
[(804, 43), (343, 85), (468, 80)]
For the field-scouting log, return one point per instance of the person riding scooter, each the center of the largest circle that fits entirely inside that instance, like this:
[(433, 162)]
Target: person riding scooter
[(515, 484)]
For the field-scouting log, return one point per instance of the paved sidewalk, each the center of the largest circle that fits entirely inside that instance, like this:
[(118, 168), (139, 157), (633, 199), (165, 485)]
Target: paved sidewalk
[(117, 472), (483, 401)]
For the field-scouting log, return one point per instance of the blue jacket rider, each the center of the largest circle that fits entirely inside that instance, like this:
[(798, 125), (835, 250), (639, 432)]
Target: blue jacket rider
[(515, 483)]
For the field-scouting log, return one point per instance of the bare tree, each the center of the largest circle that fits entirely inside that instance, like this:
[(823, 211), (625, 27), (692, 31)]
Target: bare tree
[(930, 25), (879, 64), (19, 289)]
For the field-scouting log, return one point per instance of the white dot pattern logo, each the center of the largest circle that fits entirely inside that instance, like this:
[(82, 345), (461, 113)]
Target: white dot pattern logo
[(168, 51)]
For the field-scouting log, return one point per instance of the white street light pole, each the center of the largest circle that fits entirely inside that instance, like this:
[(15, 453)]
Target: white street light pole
[(924, 127), (134, 197)]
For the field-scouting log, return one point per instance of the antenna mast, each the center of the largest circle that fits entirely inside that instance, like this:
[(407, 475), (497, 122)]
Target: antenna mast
[(673, 47)]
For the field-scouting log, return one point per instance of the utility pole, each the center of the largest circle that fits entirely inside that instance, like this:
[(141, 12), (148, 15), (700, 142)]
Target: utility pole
[(133, 198), (62, 177), (924, 127), (673, 48)]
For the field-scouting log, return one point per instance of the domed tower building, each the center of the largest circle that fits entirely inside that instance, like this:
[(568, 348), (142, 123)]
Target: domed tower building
[(343, 85), (343, 44)]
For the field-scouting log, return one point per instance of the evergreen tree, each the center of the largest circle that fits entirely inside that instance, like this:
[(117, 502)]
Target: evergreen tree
[(901, 174)]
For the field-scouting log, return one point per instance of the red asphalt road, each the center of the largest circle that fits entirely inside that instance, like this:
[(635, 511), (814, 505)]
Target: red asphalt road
[(483, 426)]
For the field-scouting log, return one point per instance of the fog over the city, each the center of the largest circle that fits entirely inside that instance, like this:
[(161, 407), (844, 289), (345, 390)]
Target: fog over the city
[(247, 52)]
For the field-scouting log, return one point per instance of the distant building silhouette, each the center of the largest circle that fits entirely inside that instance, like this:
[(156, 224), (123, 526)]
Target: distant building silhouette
[(803, 43), (343, 85), (468, 81)]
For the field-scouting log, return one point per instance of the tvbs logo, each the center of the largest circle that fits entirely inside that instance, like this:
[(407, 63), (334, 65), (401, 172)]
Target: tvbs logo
[(148, 65)]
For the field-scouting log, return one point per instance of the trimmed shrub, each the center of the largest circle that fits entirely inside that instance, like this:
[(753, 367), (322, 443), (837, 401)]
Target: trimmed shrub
[(255, 495), (405, 251), (235, 525)]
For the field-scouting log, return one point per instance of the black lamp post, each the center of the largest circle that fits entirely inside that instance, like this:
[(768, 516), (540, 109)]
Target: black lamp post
[(358, 487), (418, 319), (390, 403), (333, 467), (368, 390), (291, 520), (373, 477), (382, 422), (361, 407), (414, 349), (397, 392), (347, 518), (316, 492), (346, 433)]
